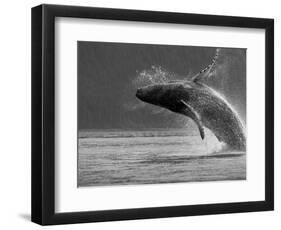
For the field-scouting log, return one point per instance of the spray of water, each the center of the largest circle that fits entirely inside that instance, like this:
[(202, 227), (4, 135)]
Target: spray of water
[(154, 75), (211, 143)]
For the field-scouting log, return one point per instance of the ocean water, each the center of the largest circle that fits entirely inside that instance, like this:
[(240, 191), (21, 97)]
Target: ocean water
[(116, 157)]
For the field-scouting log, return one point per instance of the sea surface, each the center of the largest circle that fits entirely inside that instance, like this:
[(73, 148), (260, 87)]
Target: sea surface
[(119, 157)]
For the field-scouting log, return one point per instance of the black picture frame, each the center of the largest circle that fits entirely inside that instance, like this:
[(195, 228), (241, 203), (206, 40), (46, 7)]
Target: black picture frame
[(43, 114)]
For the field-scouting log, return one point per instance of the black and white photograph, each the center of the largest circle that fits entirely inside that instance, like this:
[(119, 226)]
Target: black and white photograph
[(153, 114), (141, 114)]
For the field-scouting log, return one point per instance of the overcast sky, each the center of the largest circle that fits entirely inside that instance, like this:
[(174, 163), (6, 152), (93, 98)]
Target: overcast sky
[(107, 73)]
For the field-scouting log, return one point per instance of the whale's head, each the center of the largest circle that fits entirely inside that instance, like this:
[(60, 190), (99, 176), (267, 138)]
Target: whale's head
[(164, 95), (150, 94)]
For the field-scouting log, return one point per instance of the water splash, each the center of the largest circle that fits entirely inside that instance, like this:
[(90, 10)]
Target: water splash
[(212, 145), (154, 75)]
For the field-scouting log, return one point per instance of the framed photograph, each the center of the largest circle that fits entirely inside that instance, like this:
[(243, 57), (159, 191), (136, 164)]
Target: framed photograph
[(141, 114)]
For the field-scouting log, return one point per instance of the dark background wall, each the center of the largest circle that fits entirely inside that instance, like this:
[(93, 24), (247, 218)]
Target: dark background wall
[(107, 74)]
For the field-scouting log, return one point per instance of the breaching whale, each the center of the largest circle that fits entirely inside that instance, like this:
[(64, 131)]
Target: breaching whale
[(201, 103)]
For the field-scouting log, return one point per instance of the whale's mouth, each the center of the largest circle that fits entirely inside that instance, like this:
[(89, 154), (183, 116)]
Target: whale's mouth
[(139, 93), (142, 95)]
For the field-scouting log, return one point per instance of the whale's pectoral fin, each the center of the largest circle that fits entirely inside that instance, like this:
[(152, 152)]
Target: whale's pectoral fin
[(190, 112), (207, 72)]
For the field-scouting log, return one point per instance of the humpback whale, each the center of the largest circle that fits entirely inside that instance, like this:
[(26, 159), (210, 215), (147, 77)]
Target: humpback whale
[(206, 107)]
